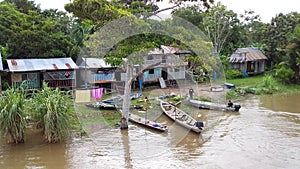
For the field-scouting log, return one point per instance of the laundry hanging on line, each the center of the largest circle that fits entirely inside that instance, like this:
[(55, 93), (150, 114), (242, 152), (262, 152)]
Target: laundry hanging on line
[(97, 93)]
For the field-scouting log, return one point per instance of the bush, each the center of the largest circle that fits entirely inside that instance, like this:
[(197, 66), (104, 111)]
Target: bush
[(52, 110), (13, 114), (233, 74), (231, 95), (284, 74)]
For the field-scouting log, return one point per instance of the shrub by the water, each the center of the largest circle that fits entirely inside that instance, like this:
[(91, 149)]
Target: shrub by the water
[(233, 74), (284, 74), (13, 115), (52, 110)]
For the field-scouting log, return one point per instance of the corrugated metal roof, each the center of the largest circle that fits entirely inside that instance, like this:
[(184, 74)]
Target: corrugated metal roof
[(168, 50), (23, 65), (94, 63), (1, 65), (173, 50), (246, 54)]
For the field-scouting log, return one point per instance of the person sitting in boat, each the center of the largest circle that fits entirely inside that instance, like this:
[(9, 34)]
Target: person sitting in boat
[(230, 104)]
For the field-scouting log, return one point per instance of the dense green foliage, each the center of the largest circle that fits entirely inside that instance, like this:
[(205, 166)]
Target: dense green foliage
[(262, 84), (13, 114), (29, 33), (284, 73), (293, 53), (51, 110), (278, 40), (275, 36), (233, 74)]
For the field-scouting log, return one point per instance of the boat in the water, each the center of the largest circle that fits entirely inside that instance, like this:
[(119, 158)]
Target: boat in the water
[(146, 122), (181, 117), (214, 106)]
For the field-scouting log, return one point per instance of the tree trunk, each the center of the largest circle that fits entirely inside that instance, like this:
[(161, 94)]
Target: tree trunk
[(126, 97), (127, 90)]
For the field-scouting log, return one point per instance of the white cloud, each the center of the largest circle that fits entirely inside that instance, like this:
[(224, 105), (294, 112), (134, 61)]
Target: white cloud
[(265, 8)]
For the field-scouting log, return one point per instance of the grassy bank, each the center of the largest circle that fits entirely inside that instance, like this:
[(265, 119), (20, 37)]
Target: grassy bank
[(263, 84), (92, 119)]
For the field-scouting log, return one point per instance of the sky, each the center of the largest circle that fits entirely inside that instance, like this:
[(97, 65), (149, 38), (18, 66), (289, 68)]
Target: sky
[(265, 8)]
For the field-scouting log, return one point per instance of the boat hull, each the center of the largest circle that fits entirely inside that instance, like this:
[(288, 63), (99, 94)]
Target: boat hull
[(146, 123), (213, 106), (181, 117)]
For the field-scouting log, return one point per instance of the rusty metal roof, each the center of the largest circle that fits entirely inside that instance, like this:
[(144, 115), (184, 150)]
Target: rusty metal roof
[(246, 54), (25, 65)]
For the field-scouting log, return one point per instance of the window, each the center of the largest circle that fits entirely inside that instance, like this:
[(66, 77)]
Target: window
[(164, 59), (150, 57), (151, 71)]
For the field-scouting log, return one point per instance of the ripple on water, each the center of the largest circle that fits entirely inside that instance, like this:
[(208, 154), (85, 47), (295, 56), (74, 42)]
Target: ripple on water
[(257, 137)]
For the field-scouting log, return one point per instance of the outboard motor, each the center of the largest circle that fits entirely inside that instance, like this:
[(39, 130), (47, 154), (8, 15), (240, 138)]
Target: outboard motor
[(237, 107), (200, 124)]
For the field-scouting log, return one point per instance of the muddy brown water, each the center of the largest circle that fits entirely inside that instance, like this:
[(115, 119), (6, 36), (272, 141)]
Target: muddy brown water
[(264, 134)]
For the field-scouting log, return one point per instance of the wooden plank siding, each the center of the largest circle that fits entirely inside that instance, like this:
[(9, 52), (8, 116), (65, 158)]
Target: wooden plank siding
[(30, 80), (152, 74), (98, 77)]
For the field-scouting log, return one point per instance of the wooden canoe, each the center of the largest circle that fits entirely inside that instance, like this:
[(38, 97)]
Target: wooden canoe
[(146, 122), (213, 106), (181, 117)]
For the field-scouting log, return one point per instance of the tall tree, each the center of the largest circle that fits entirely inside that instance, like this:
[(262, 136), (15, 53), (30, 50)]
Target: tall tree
[(276, 35), (25, 6), (219, 22), (293, 53), (193, 14), (34, 34)]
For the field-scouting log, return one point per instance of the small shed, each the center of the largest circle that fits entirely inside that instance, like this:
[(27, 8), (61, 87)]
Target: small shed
[(248, 60), (57, 72)]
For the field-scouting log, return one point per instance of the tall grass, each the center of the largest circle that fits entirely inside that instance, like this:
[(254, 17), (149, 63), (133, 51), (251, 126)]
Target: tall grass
[(52, 111), (12, 115)]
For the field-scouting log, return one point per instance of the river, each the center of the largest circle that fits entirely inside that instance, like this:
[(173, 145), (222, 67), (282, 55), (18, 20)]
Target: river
[(264, 134)]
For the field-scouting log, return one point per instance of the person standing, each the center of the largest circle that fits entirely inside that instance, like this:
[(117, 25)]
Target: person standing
[(191, 93)]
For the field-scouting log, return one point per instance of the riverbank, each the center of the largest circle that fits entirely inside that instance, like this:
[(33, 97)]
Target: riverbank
[(264, 84)]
